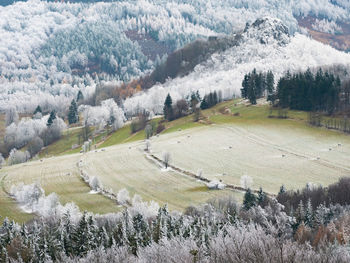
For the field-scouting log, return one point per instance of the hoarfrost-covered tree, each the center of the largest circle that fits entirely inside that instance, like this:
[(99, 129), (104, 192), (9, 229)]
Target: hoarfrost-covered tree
[(116, 116), (53, 131), (11, 116), (108, 113), (28, 195), (95, 183), (17, 157), (123, 197), (246, 181)]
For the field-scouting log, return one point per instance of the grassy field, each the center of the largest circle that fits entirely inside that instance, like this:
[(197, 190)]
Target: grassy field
[(272, 151), (123, 135), (59, 175), (9, 208), (244, 141), (69, 138), (126, 166)]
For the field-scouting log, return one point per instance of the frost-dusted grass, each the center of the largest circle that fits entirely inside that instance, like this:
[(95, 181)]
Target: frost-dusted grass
[(228, 151), (59, 175), (225, 147), (9, 208), (125, 166)]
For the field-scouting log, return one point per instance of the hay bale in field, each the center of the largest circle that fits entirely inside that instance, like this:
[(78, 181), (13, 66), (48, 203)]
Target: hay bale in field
[(216, 185)]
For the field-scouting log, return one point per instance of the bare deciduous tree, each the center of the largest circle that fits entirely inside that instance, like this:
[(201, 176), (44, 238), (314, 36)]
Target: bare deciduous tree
[(246, 181), (147, 145), (35, 145), (148, 131), (166, 159)]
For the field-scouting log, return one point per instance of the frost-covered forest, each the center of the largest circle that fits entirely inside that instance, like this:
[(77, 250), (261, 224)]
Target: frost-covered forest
[(260, 230), (49, 51)]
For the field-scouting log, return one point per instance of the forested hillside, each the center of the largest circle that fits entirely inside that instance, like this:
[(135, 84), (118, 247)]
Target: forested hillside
[(69, 51)]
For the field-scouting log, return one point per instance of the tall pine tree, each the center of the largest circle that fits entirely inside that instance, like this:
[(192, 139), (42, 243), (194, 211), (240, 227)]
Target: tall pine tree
[(80, 96), (168, 109), (38, 109), (51, 118), (73, 116)]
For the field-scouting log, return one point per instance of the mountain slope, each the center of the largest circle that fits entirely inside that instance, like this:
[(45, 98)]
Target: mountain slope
[(49, 51), (265, 45)]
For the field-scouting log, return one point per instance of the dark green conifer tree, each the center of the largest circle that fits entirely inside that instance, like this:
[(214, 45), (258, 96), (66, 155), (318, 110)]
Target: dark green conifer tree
[(249, 199), (73, 115), (37, 109), (168, 109), (80, 96), (51, 118)]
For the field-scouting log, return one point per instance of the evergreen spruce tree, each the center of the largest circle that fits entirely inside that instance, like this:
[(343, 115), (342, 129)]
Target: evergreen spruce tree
[(215, 98), (80, 237), (168, 109), (67, 229), (282, 190), (51, 118), (127, 228), (80, 96), (73, 116), (251, 91), (270, 82), (261, 197), (118, 236), (249, 199), (300, 213), (322, 215), (158, 226), (309, 213), (245, 84), (38, 109), (204, 103), (92, 233)]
